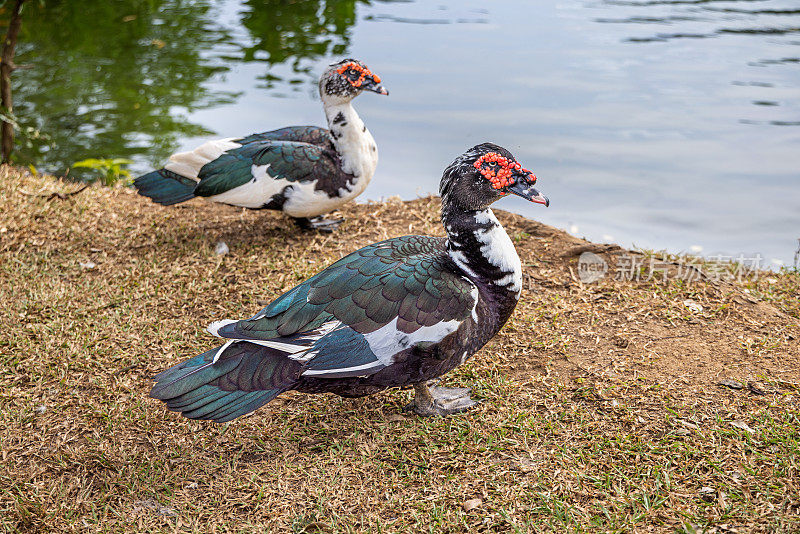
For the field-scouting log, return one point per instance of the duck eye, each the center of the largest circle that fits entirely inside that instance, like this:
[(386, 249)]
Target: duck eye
[(493, 164)]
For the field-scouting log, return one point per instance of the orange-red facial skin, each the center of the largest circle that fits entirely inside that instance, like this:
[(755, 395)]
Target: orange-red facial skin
[(502, 177), (364, 73)]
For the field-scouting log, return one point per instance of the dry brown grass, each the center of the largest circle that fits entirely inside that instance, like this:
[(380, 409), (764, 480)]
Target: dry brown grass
[(602, 409)]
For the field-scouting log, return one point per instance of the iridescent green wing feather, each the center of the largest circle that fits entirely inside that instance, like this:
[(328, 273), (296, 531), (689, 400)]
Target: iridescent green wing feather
[(405, 278), (312, 135)]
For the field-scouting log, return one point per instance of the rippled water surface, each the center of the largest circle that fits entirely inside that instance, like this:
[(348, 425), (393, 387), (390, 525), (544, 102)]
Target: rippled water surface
[(661, 123)]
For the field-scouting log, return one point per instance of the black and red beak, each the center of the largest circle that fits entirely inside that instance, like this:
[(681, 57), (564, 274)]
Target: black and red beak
[(371, 84), (523, 187)]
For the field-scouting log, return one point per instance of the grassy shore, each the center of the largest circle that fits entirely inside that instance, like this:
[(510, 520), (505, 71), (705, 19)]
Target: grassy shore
[(603, 405)]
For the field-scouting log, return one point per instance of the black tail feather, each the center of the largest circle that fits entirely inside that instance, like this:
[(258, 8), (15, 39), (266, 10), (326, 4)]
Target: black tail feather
[(245, 377), (165, 187)]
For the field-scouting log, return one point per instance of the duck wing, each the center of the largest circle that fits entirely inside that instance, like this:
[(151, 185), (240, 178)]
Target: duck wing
[(354, 317), (251, 175), (313, 135)]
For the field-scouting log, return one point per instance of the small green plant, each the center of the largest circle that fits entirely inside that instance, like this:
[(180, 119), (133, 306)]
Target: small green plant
[(111, 171)]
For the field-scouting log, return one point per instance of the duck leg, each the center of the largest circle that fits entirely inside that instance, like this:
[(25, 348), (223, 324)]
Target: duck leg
[(434, 400), (320, 224)]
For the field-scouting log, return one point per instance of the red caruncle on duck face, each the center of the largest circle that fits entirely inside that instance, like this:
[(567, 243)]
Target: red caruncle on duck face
[(500, 170), (356, 74)]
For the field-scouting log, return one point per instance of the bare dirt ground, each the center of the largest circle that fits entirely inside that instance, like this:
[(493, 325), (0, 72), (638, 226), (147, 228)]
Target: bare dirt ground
[(662, 397)]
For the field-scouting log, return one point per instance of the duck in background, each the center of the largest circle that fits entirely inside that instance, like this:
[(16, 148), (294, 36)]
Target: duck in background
[(396, 313), (304, 171)]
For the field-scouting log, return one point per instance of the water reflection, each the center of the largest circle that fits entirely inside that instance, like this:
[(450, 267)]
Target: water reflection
[(661, 37), (122, 78), (782, 61), (114, 79), (425, 21), (296, 34), (708, 20)]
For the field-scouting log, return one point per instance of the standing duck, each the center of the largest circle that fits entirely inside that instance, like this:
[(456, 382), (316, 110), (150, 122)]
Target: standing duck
[(305, 171), (400, 312)]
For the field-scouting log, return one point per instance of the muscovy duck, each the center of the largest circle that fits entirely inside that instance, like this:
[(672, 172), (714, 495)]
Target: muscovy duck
[(305, 171), (400, 312)]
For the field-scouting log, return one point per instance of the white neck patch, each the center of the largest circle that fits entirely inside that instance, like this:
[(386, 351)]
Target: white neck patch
[(498, 250), (353, 141)]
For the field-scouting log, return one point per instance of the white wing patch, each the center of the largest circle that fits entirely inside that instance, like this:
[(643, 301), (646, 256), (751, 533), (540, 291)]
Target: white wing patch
[(305, 201), (214, 327), (189, 163), (256, 192), (300, 351), (388, 340), (345, 370)]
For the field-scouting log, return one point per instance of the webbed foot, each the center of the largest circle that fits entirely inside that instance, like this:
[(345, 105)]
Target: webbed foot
[(320, 224), (435, 400)]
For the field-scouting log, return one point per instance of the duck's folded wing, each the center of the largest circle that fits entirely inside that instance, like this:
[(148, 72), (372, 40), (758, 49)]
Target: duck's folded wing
[(313, 135), (290, 161), (354, 317)]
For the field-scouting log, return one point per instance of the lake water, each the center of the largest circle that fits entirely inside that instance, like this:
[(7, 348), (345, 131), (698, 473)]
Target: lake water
[(665, 124)]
